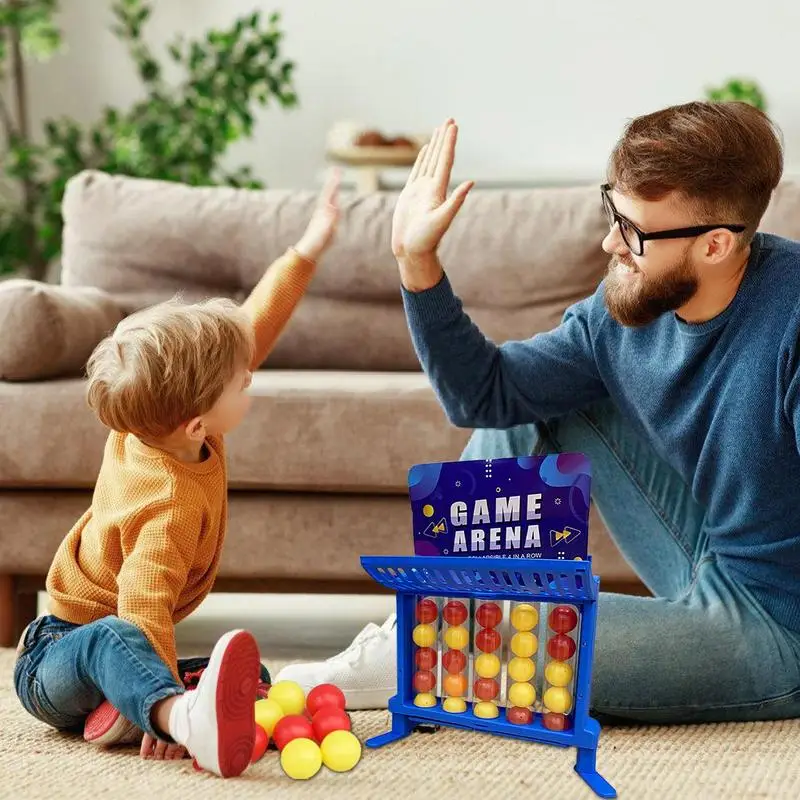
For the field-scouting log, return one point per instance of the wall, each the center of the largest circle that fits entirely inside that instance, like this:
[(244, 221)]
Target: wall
[(537, 92)]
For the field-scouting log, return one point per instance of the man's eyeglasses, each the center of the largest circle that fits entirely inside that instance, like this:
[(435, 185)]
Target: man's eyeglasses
[(635, 238)]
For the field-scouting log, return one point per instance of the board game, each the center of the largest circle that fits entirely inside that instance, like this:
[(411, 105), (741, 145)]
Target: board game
[(500, 639)]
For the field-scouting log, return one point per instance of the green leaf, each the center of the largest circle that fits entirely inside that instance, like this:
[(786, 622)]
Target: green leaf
[(40, 39), (739, 90), (149, 70)]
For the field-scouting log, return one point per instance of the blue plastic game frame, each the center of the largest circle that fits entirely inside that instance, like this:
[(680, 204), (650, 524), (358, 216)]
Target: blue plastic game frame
[(539, 580)]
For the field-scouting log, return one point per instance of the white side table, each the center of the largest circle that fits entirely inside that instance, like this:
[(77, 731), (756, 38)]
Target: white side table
[(367, 164)]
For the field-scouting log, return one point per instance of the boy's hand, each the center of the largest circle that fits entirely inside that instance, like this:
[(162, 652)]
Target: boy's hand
[(161, 751), (322, 226)]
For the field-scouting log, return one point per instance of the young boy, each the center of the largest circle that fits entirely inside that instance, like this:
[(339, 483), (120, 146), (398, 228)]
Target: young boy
[(169, 383)]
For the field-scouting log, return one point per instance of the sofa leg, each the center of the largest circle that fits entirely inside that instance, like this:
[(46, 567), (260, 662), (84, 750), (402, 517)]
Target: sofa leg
[(25, 610), (7, 615), (17, 609)]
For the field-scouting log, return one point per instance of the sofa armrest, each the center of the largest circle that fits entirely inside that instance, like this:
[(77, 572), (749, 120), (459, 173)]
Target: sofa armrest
[(50, 331)]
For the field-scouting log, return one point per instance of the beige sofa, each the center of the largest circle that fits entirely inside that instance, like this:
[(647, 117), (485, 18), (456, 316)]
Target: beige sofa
[(318, 470)]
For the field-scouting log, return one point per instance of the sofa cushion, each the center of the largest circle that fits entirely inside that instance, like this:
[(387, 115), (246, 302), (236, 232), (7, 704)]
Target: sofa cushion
[(516, 258), (270, 536), (318, 431), (49, 331)]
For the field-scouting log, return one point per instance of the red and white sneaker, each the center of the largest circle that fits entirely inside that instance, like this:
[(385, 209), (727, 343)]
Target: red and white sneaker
[(215, 723), (106, 726)]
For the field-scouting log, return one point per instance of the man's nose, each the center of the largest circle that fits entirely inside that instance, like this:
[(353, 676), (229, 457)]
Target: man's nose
[(614, 244)]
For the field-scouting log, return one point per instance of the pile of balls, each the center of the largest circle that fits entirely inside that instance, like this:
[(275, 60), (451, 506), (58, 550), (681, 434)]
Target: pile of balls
[(308, 731)]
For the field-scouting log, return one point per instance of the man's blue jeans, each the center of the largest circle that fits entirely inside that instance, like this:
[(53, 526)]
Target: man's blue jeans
[(702, 649)]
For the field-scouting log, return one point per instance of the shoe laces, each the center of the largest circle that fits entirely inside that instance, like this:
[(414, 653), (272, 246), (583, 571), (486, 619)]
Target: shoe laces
[(192, 679), (370, 633)]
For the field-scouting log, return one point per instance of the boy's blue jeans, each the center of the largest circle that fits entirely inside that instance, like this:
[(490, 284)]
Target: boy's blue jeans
[(702, 649), (65, 671)]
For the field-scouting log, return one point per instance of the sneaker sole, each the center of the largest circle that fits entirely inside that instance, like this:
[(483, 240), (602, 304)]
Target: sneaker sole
[(105, 726), (239, 673), (368, 699)]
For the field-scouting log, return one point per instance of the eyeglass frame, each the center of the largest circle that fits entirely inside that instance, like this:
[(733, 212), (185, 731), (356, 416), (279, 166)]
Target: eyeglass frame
[(614, 218)]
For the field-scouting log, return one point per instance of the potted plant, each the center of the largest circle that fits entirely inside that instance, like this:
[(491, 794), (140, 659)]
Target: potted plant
[(179, 131)]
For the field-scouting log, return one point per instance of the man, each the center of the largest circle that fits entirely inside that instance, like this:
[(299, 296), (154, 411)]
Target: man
[(680, 380)]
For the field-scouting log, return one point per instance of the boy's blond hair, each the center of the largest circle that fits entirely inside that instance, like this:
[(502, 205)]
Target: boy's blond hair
[(167, 364)]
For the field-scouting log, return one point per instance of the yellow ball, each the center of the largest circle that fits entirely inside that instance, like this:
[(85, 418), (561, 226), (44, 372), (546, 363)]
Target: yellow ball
[(485, 710), (301, 759), (524, 644), (558, 699), (268, 712), (524, 617), (521, 694), (425, 700), (424, 635), (289, 696), (521, 669), (558, 673), (427, 510), (341, 751), (455, 705), (487, 665), (456, 637)]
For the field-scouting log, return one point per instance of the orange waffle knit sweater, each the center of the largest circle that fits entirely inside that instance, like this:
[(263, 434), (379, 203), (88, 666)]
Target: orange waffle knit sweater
[(148, 548)]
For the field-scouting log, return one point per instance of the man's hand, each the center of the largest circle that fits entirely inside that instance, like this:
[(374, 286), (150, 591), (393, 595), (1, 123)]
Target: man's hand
[(424, 212), (321, 228), (161, 751)]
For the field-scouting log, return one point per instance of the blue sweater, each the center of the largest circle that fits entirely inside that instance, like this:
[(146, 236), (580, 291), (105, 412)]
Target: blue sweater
[(718, 401)]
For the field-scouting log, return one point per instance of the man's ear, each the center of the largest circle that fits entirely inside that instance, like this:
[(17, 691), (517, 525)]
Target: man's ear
[(718, 245), (196, 429)]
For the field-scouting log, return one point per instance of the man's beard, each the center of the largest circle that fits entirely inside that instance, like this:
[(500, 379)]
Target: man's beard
[(640, 300)]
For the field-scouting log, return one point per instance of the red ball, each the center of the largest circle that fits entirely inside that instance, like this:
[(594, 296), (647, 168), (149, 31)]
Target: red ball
[(489, 615), (454, 661), (424, 680), (561, 647), (326, 694), (427, 611), (486, 688), (327, 720), (519, 716), (556, 722), (290, 728), (563, 619), (455, 613), (425, 658), (488, 640), (260, 745)]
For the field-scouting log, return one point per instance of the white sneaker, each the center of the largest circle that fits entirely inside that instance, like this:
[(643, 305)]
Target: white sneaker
[(366, 671), (215, 722)]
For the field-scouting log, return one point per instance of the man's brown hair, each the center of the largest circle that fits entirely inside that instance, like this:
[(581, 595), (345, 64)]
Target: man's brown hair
[(725, 159)]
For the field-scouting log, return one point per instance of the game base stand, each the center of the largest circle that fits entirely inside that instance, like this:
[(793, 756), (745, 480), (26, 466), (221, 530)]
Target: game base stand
[(524, 672)]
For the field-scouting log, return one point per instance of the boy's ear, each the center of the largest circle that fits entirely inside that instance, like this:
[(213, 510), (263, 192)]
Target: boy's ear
[(196, 429)]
